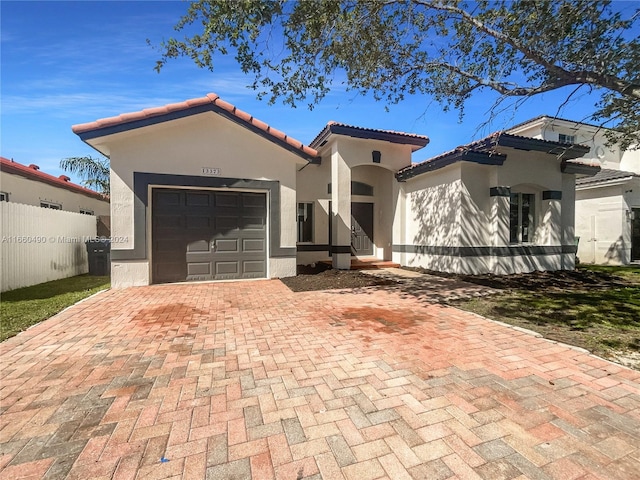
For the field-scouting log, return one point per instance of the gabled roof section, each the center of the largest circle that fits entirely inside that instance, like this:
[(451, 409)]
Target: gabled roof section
[(416, 141), (551, 118), (32, 172), (606, 175), (210, 102), (485, 152)]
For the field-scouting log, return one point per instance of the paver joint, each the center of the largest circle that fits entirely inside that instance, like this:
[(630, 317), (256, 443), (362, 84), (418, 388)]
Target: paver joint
[(249, 380)]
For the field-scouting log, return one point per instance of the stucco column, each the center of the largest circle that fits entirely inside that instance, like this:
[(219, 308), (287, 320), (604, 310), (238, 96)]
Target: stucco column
[(340, 210), (500, 204)]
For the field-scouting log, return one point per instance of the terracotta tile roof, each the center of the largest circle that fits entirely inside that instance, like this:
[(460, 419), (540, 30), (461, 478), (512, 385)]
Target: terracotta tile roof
[(552, 118), (373, 133), (210, 99), (33, 172), (606, 175), (481, 151)]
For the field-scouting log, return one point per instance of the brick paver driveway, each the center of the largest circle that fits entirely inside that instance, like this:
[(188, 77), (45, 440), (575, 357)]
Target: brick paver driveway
[(248, 380)]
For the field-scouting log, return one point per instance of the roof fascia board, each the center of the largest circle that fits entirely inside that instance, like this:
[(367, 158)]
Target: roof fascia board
[(371, 135), (578, 169), (187, 112), (537, 145), (482, 158)]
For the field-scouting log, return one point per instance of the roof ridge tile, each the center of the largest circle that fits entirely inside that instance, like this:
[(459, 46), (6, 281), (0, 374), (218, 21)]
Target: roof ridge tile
[(209, 98)]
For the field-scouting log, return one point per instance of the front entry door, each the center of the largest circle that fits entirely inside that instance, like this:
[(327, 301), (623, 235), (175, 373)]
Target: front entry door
[(361, 229), (635, 235)]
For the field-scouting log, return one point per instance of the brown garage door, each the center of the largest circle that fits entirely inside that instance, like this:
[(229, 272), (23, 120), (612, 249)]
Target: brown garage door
[(208, 235)]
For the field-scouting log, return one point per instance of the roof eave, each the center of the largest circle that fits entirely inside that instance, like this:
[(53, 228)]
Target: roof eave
[(482, 158), (70, 187), (605, 183), (579, 168), (92, 134), (337, 129), (568, 152)]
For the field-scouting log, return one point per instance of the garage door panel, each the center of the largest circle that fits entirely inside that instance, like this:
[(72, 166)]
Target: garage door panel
[(198, 246), (171, 271), (168, 198), (253, 267), (186, 223), (165, 246), (198, 221), (227, 245), (253, 245), (198, 199), (168, 222), (225, 224), (226, 199), (203, 268), (253, 223), (253, 200), (227, 268)]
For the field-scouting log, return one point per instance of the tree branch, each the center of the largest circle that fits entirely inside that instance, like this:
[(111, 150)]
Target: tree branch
[(501, 87), (565, 77)]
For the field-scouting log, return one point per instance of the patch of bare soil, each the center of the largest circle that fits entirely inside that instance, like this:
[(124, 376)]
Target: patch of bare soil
[(323, 277), (535, 281)]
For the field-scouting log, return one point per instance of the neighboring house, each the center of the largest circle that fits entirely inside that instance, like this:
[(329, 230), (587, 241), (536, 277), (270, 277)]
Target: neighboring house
[(201, 190), (607, 204), (28, 185)]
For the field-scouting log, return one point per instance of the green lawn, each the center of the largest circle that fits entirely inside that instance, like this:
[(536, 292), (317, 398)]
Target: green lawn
[(603, 317), (21, 308)]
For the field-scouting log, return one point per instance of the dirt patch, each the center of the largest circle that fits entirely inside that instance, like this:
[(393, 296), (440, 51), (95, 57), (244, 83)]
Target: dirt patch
[(535, 281), (323, 277)]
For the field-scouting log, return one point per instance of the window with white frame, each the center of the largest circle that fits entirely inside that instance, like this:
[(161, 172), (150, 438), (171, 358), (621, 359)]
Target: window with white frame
[(522, 217), (566, 138), (4, 197), (51, 205), (86, 211), (305, 222)]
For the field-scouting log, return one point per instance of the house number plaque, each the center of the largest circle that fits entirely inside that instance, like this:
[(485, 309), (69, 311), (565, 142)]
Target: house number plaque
[(213, 171)]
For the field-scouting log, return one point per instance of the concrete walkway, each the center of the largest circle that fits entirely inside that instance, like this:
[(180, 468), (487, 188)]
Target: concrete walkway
[(249, 380)]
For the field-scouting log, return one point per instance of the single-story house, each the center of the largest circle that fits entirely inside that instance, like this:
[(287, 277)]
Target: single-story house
[(201, 190), (608, 203), (28, 185)]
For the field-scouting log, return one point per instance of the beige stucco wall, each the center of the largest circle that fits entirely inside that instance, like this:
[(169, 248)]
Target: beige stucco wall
[(30, 192), (432, 210), (184, 147), (630, 161), (432, 217), (451, 207), (475, 204), (356, 154), (603, 222)]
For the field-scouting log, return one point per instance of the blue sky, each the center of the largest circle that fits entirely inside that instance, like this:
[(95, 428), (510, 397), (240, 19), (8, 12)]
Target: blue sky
[(64, 63)]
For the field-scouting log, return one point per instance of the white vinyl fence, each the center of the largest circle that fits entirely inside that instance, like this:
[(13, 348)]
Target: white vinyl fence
[(39, 244)]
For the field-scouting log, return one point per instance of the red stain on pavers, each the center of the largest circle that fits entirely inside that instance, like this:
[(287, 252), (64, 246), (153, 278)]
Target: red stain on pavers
[(383, 320), (167, 371)]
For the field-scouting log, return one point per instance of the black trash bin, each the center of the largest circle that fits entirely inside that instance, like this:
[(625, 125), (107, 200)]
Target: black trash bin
[(99, 257)]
